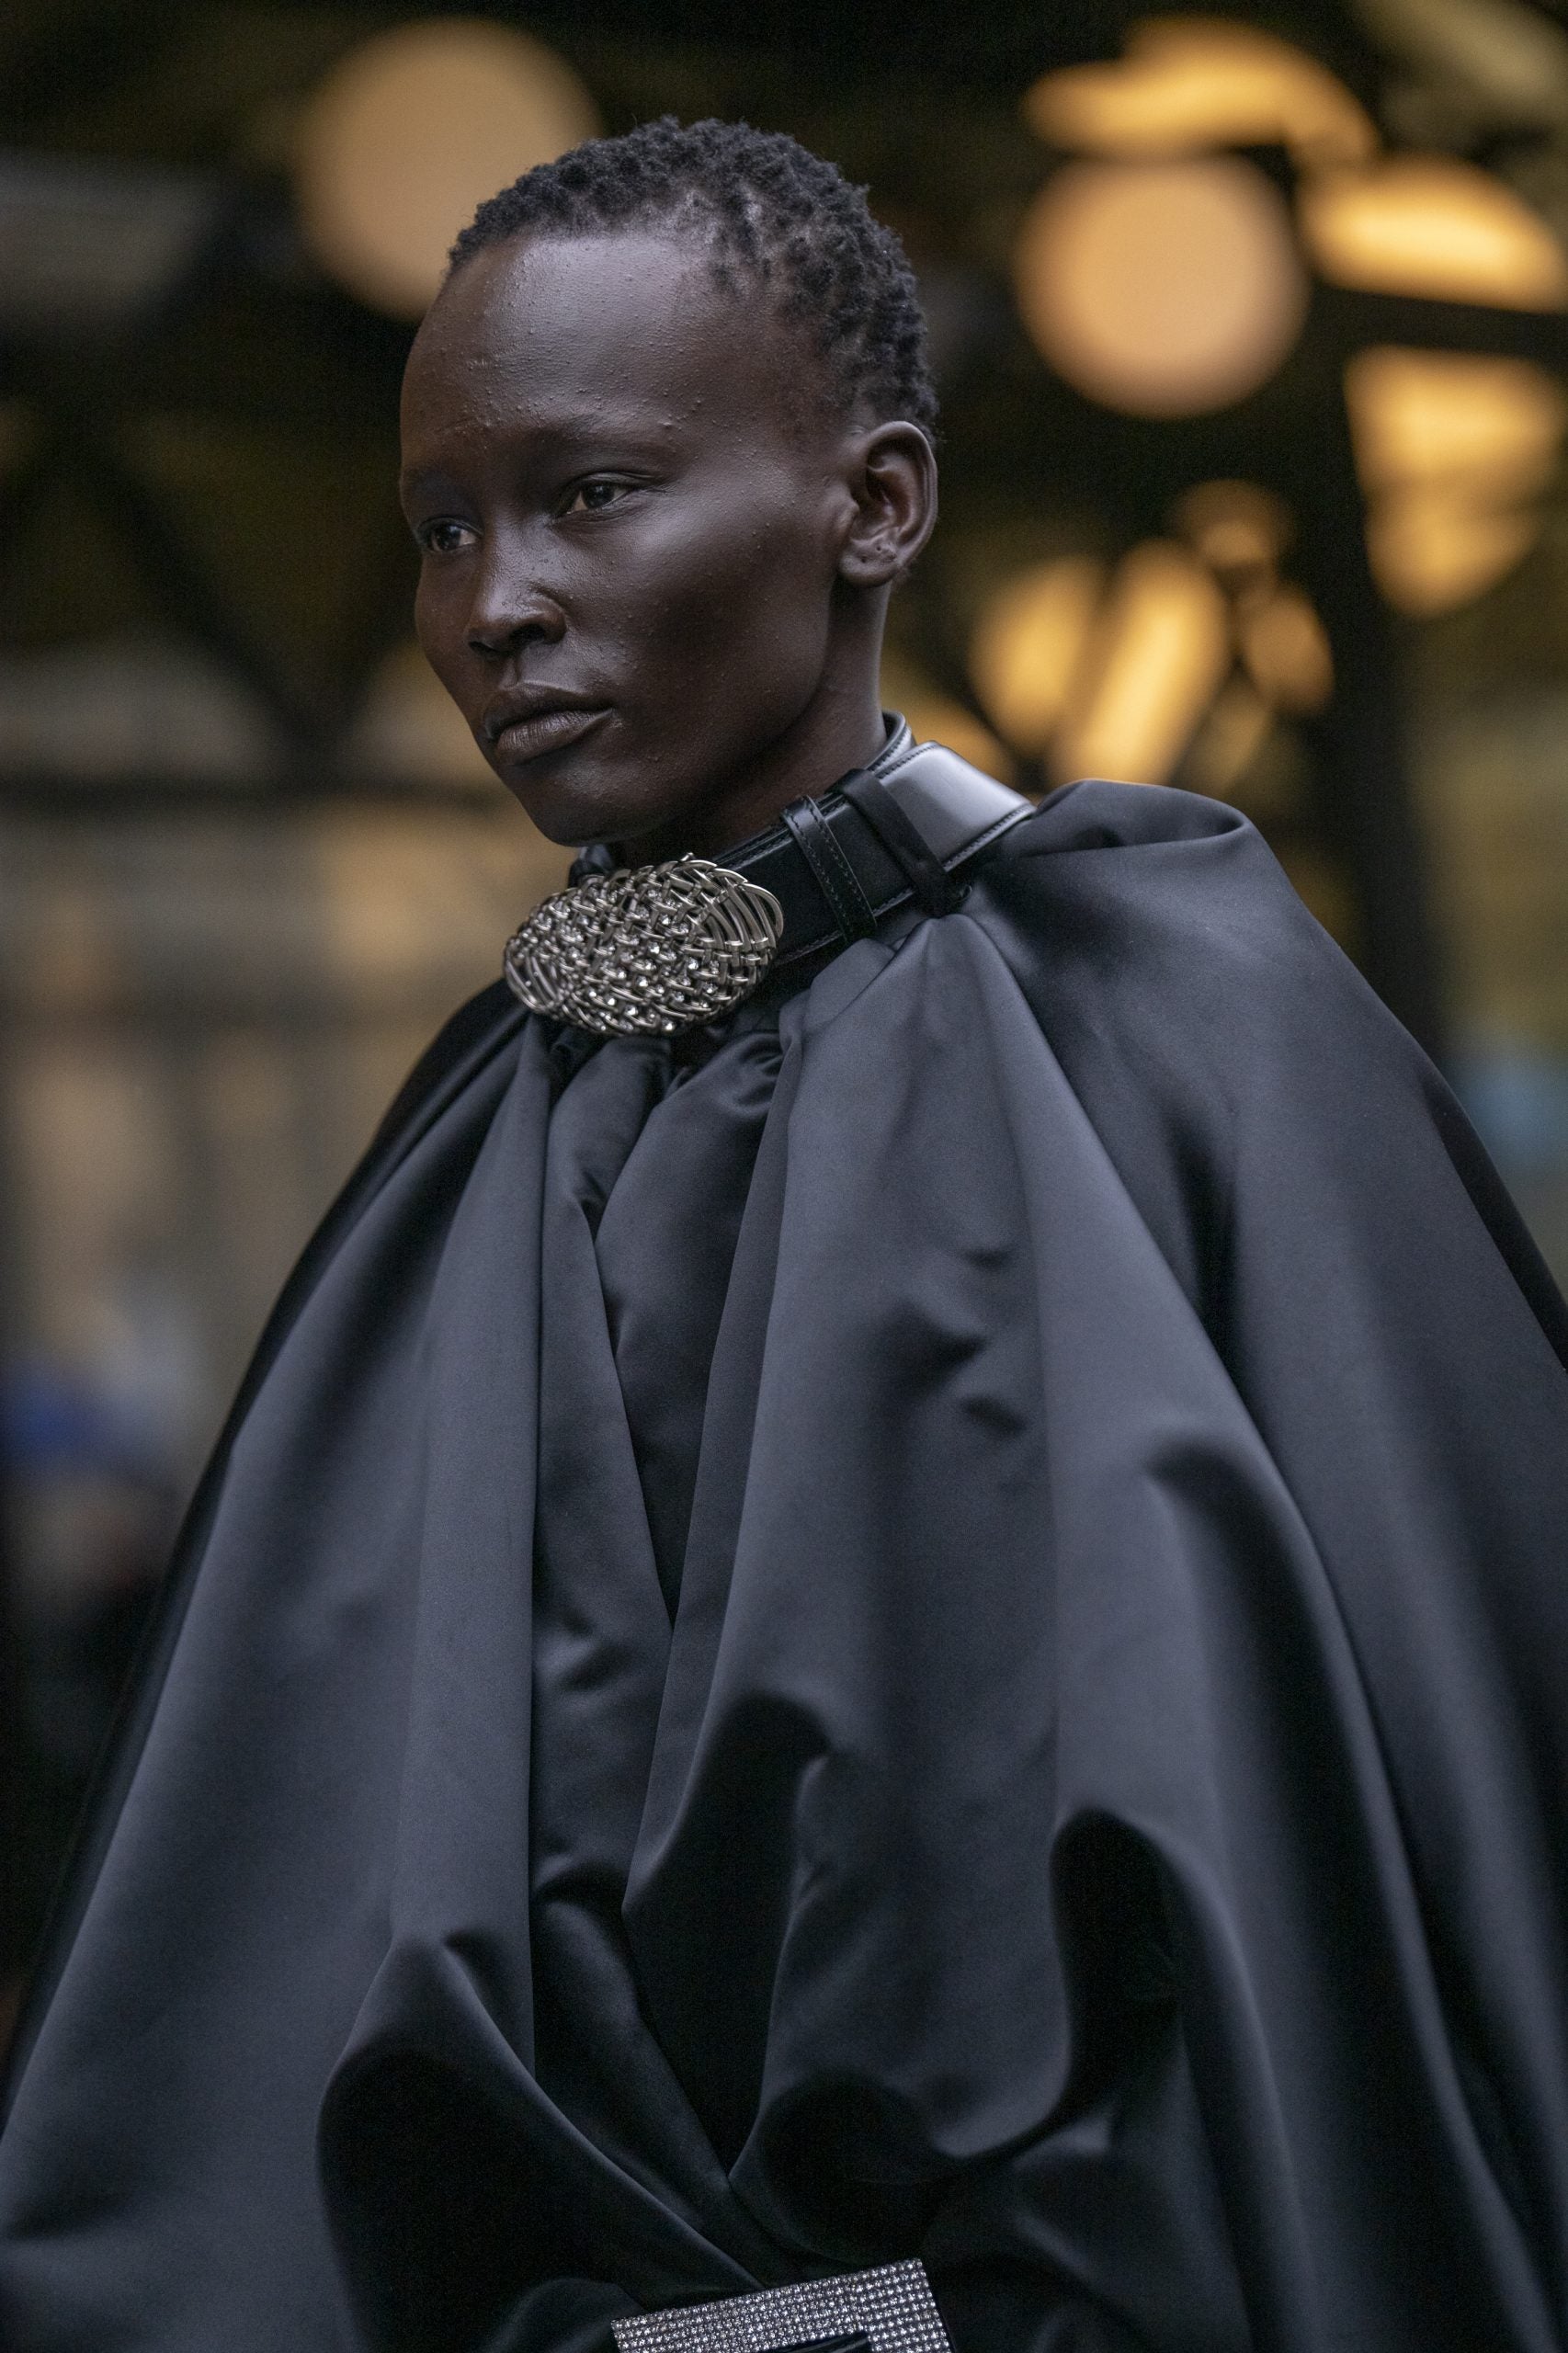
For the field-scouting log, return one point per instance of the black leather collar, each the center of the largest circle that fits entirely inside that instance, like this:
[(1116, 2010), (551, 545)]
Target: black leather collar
[(902, 828)]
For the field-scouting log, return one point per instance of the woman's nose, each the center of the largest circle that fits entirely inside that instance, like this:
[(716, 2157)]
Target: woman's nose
[(512, 606)]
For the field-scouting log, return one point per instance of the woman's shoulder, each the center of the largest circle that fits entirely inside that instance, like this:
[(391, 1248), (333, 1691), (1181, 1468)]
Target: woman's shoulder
[(1153, 911)]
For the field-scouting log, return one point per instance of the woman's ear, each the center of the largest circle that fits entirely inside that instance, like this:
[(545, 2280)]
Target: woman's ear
[(893, 477)]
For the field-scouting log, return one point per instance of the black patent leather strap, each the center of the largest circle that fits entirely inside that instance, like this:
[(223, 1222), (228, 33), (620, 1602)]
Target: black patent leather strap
[(836, 878), (840, 866), (938, 891), (954, 813)]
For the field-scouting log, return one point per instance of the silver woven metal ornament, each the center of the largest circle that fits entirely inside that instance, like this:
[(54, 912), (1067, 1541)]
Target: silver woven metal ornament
[(892, 2307), (648, 950)]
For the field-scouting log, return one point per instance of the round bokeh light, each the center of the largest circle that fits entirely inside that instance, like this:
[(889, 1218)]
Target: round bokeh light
[(1162, 289), (412, 131)]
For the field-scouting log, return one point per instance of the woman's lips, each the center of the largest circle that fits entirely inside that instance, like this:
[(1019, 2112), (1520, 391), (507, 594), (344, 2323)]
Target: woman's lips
[(545, 731)]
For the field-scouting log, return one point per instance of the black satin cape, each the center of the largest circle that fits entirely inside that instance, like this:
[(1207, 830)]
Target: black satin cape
[(935, 1623)]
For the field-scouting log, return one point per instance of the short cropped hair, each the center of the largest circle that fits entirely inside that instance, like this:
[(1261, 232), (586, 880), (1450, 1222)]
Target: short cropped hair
[(770, 211)]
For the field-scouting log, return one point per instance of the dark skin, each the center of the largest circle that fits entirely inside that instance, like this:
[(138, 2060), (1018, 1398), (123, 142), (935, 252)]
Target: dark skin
[(656, 556)]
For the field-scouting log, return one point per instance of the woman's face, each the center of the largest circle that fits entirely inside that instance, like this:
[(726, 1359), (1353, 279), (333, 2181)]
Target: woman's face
[(633, 528)]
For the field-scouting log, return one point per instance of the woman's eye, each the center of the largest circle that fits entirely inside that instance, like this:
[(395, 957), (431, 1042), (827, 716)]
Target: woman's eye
[(444, 537), (593, 497)]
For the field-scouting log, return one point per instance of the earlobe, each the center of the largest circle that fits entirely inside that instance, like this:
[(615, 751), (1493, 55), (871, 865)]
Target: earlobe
[(895, 504)]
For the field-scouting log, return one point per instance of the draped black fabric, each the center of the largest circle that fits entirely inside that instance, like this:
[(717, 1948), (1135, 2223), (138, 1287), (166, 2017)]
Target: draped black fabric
[(932, 1621)]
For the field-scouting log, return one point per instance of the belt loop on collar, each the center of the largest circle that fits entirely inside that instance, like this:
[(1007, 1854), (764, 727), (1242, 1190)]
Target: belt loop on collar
[(836, 878), (938, 891)]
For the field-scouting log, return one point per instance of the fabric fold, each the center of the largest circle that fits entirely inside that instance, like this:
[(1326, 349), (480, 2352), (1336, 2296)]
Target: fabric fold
[(924, 1623)]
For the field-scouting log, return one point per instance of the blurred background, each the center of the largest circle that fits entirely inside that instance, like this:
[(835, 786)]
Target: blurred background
[(1251, 330)]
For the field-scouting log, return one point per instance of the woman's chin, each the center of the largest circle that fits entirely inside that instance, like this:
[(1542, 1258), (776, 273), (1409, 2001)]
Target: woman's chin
[(573, 809)]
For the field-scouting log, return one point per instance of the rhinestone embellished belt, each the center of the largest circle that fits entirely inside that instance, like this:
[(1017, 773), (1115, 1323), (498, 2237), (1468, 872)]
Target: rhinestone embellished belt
[(655, 949), (889, 2310)]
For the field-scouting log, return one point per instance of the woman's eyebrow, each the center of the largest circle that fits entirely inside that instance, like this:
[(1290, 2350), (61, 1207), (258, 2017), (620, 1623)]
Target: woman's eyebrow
[(553, 445), (599, 421), (421, 483)]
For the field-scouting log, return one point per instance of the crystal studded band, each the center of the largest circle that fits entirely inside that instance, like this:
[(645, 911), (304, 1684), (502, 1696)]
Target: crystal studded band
[(648, 950), (892, 2306)]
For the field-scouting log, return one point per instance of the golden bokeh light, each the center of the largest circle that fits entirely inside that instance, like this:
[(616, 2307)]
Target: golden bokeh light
[(1189, 83), (1027, 643), (1161, 650), (1181, 659), (1242, 531), (410, 134), (1452, 450), (1238, 527), (1163, 290), (1230, 738), (1283, 644), (1428, 225), (1425, 416), (1435, 548)]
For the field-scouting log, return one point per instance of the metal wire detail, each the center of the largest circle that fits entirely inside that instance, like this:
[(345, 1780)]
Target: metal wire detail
[(891, 2305), (646, 951)]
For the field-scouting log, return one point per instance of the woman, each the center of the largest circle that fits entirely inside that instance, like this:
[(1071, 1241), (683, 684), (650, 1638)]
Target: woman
[(890, 1583)]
